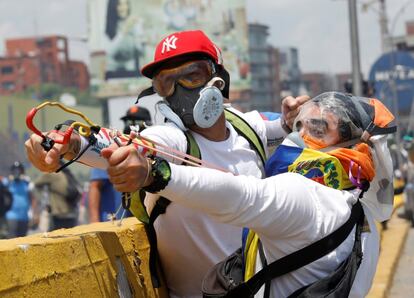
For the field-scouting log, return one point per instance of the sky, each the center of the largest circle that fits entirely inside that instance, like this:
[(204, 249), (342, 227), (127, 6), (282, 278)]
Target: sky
[(318, 28)]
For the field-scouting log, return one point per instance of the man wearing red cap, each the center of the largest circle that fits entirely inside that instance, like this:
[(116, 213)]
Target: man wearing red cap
[(188, 73), (315, 215)]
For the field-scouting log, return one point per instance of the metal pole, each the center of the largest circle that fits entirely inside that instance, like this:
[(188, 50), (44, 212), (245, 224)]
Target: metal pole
[(356, 67), (411, 117), (394, 91), (385, 35)]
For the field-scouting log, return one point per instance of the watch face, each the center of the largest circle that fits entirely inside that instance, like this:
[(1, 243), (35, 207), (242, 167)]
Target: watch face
[(161, 173), (164, 169)]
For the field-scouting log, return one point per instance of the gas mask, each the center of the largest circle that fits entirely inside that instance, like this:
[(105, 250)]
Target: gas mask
[(201, 106), (192, 92)]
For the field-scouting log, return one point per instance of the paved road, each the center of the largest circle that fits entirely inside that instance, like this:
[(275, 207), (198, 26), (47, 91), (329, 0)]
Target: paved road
[(403, 282)]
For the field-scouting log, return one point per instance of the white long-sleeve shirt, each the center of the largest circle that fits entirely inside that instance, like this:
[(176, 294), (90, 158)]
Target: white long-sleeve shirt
[(288, 212), (189, 241)]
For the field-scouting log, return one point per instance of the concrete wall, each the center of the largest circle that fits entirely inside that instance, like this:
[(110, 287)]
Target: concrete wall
[(97, 260)]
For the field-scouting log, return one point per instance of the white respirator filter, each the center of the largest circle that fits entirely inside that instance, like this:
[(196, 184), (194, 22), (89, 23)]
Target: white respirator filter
[(209, 105)]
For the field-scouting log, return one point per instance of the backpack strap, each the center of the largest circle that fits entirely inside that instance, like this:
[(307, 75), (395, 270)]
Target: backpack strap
[(154, 258), (160, 208), (266, 293), (246, 131), (241, 126), (303, 256), (162, 203), (192, 146), (243, 129)]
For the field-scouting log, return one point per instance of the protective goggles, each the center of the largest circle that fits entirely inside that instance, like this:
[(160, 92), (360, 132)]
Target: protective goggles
[(190, 75), (317, 123), (333, 114)]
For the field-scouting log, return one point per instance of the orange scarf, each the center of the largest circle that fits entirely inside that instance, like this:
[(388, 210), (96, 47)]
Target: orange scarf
[(359, 154)]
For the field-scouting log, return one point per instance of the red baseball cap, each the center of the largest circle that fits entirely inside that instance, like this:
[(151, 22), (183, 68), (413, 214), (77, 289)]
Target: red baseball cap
[(179, 44)]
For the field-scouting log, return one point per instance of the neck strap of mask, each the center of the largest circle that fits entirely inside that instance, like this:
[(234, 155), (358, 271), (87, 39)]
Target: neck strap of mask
[(146, 92)]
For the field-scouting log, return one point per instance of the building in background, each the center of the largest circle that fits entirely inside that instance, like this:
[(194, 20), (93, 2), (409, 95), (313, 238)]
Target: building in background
[(264, 68), (123, 36), (342, 79), (290, 74), (405, 42), (275, 74), (31, 62), (316, 83)]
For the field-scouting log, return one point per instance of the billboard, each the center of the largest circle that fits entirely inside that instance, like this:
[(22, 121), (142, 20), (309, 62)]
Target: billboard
[(393, 78), (123, 35)]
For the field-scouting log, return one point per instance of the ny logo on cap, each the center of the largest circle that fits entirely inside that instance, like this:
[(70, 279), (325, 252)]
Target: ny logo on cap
[(169, 44)]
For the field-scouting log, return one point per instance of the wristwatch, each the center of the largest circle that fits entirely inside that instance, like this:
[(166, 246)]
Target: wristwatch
[(161, 174)]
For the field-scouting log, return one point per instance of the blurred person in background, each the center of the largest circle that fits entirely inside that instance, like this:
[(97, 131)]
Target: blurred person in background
[(83, 217), (136, 116), (61, 194), (20, 186), (6, 200), (104, 200)]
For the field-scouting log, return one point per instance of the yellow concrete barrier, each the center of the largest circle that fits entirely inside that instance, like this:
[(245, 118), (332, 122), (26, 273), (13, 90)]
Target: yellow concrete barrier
[(97, 260), (108, 260), (392, 243)]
